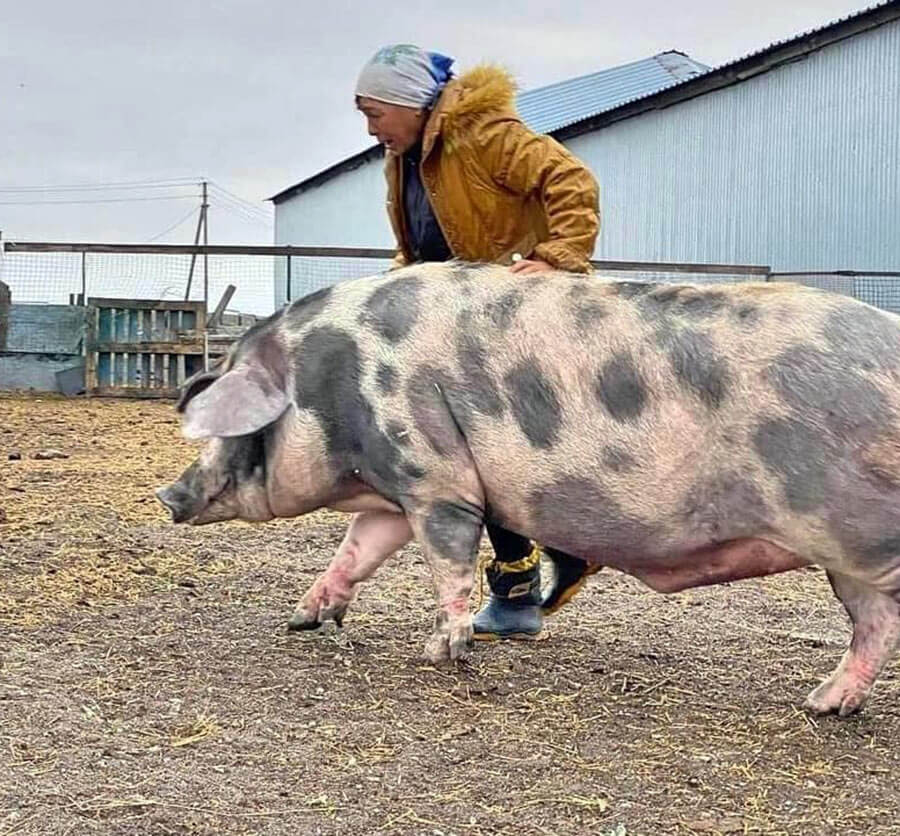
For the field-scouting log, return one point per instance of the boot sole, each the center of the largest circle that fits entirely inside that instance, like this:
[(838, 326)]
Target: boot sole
[(497, 637)]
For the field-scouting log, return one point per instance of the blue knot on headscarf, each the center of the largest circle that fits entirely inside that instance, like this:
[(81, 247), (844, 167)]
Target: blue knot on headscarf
[(440, 70)]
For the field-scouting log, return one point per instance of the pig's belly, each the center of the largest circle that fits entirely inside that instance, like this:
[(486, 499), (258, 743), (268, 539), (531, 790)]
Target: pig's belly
[(731, 561)]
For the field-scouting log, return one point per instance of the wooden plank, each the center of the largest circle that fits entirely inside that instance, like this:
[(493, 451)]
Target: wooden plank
[(134, 392), (220, 308), (90, 339), (185, 346), (144, 304)]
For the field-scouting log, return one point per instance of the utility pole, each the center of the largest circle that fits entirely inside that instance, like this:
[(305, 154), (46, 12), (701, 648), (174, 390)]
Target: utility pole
[(201, 224), (203, 207)]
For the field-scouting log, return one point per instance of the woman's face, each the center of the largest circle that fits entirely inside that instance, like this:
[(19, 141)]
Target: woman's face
[(396, 127)]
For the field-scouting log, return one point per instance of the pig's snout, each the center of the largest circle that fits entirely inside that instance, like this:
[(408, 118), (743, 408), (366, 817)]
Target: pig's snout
[(179, 501)]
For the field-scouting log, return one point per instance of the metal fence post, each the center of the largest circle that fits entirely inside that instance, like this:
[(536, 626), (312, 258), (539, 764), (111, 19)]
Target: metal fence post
[(288, 294)]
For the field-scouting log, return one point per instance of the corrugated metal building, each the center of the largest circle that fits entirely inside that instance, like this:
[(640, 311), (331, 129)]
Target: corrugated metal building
[(788, 157)]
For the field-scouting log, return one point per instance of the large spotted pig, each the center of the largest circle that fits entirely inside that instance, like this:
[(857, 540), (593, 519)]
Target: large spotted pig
[(684, 435)]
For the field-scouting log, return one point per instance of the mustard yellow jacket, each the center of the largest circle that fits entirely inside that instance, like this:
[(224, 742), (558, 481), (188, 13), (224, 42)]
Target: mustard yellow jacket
[(496, 187)]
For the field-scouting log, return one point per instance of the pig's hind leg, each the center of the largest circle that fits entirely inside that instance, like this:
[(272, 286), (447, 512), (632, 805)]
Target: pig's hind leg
[(876, 628), (372, 537)]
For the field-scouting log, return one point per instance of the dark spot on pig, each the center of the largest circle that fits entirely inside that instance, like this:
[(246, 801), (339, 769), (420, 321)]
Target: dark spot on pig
[(578, 290), (413, 470), (621, 389), (724, 507), (386, 379), (304, 310), (863, 337), (747, 314), (822, 384), (453, 531), (799, 455), (885, 549), (696, 364), (398, 433), (480, 390), (466, 272), (328, 373), (392, 310), (534, 403), (587, 314), (632, 290), (617, 459), (427, 391), (464, 319), (576, 516), (701, 304), (502, 312)]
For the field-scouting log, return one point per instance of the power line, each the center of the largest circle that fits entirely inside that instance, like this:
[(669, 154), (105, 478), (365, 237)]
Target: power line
[(237, 214), (236, 197), (178, 182), (95, 200), (174, 226), (244, 204), (224, 200)]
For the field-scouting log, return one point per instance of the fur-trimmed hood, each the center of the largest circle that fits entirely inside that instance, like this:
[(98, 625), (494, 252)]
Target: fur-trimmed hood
[(483, 90)]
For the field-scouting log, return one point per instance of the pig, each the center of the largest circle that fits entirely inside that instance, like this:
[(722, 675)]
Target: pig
[(684, 434)]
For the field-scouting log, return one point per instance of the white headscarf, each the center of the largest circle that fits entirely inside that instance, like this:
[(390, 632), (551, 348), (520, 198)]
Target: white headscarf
[(405, 75)]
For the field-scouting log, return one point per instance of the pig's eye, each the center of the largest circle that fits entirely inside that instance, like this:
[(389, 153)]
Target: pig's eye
[(225, 486)]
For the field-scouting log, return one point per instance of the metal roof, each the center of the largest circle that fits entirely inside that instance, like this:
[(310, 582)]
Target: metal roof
[(739, 69), (553, 107)]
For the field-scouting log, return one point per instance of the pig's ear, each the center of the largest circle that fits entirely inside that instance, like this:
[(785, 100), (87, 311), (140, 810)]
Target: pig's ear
[(195, 384), (240, 402)]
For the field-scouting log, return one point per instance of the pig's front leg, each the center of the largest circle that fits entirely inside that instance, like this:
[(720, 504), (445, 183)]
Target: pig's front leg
[(372, 537), (449, 533)]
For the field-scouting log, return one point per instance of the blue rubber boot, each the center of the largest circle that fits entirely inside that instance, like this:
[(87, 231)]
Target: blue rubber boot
[(513, 610)]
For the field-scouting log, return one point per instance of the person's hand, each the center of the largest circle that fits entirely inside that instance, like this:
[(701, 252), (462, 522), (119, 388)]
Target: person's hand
[(525, 266)]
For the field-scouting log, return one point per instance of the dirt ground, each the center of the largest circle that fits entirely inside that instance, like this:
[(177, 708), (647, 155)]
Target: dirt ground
[(148, 685)]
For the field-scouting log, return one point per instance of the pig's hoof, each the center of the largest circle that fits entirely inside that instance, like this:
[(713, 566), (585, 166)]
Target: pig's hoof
[(303, 621), (448, 646), (835, 698)]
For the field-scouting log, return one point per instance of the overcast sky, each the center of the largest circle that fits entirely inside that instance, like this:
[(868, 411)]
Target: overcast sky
[(258, 95)]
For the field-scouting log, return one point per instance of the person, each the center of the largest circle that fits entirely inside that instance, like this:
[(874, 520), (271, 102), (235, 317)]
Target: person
[(468, 180)]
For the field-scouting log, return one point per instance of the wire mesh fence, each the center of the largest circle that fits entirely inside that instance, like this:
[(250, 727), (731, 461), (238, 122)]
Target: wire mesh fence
[(55, 277), (296, 276), (881, 289), (265, 277)]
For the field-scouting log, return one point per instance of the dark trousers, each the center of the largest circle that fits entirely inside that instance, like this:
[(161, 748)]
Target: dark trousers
[(508, 546)]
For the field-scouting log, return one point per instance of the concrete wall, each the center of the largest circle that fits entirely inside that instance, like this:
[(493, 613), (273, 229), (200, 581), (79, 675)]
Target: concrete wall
[(40, 341), (34, 371)]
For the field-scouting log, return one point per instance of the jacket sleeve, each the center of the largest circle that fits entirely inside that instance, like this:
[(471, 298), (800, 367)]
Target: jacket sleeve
[(532, 164)]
